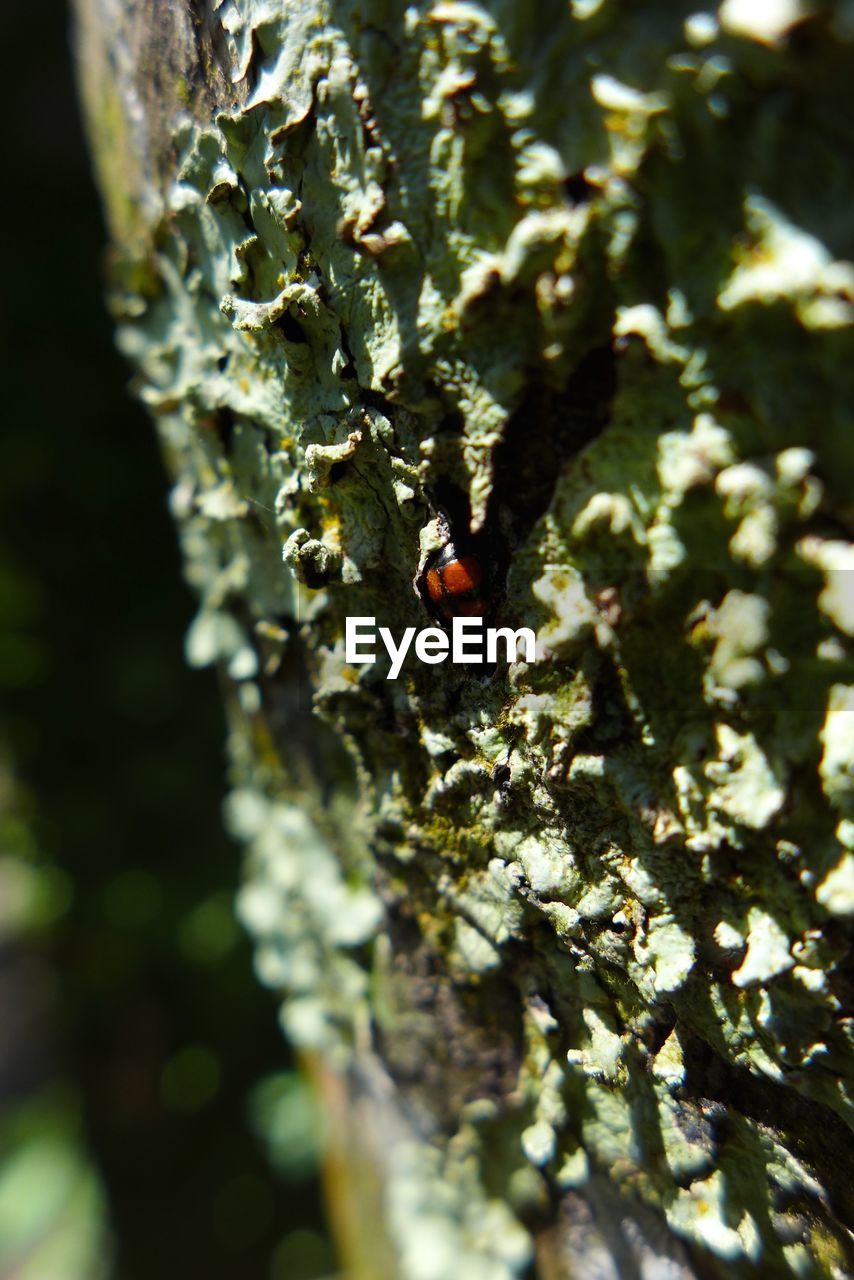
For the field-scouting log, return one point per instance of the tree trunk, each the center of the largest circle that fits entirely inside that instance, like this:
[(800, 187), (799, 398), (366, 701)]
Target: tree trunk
[(565, 943)]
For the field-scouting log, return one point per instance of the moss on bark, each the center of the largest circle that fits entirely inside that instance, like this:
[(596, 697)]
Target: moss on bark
[(573, 937)]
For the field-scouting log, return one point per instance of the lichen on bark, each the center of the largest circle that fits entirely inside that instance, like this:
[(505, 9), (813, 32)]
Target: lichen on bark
[(574, 935)]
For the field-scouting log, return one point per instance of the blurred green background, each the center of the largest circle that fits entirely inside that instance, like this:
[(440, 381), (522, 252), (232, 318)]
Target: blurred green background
[(151, 1121)]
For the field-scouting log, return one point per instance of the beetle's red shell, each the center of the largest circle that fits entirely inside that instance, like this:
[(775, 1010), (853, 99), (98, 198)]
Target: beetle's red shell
[(453, 584)]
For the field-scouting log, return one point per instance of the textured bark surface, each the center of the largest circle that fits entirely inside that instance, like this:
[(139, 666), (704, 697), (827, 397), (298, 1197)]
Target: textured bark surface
[(567, 945)]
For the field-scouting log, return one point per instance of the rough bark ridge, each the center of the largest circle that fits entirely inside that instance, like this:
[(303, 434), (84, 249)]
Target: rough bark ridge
[(568, 944)]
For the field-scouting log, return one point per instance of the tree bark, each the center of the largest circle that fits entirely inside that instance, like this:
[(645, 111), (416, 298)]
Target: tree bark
[(566, 944)]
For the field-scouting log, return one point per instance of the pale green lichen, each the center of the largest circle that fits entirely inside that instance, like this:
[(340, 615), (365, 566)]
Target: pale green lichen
[(389, 271)]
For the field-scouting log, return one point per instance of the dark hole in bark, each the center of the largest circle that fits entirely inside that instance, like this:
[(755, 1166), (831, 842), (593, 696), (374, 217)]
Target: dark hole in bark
[(577, 188), (291, 328), (501, 775)]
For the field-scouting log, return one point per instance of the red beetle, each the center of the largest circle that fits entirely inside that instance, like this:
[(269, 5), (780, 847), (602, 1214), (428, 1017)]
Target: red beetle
[(453, 585)]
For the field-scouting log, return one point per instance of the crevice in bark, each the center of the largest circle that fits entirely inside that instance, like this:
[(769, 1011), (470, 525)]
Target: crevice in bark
[(545, 433)]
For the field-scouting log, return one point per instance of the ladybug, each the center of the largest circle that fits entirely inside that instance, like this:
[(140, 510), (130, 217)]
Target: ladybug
[(454, 584)]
